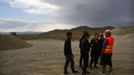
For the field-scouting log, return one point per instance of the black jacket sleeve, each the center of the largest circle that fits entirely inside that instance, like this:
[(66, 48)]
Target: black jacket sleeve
[(80, 43), (85, 46), (67, 48), (105, 43)]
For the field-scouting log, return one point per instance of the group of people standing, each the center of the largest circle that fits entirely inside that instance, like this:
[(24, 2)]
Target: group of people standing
[(99, 47)]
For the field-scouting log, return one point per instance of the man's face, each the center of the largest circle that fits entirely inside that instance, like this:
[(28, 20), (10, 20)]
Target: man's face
[(84, 33), (87, 37), (96, 36), (70, 36), (107, 34), (101, 36)]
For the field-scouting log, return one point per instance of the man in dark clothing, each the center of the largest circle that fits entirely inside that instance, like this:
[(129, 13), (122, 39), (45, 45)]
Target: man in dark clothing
[(94, 51), (101, 40), (68, 54), (80, 46), (85, 53)]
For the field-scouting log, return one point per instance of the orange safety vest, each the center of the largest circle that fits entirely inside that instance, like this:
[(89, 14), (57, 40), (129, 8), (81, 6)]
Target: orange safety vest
[(109, 47)]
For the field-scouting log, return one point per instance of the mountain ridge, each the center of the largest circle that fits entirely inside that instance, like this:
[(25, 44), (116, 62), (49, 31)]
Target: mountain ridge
[(77, 32)]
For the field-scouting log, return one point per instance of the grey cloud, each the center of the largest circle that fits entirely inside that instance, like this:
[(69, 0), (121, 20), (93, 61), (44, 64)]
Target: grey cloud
[(9, 25), (95, 12), (6, 24), (80, 12)]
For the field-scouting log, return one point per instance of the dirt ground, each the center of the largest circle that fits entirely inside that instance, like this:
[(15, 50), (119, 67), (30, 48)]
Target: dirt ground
[(46, 57)]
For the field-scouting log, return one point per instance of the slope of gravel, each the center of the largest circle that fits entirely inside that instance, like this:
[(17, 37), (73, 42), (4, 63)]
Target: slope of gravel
[(11, 42)]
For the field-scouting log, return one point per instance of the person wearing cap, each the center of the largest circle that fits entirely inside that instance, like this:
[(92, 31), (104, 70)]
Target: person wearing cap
[(68, 54), (107, 51), (80, 46)]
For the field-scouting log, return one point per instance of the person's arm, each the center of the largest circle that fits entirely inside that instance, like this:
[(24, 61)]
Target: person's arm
[(69, 48), (105, 43), (88, 45), (65, 48), (80, 42)]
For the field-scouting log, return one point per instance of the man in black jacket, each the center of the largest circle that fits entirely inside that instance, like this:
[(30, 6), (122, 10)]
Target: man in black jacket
[(68, 54), (85, 53), (94, 51), (80, 46)]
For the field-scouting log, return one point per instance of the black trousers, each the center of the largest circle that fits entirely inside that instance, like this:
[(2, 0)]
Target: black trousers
[(69, 59), (106, 59), (81, 60), (86, 58), (94, 59)]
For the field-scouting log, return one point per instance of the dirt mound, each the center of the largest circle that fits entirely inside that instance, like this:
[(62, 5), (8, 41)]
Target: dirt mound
[(11, 42)]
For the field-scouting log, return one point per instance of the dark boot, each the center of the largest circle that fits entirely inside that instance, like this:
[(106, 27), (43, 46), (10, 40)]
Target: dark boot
[(87, 72), (95, 65), (65, 72), (74, 71), (83, 73), (90, 66)]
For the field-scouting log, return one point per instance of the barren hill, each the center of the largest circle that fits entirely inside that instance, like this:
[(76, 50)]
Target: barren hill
[(60, 34)]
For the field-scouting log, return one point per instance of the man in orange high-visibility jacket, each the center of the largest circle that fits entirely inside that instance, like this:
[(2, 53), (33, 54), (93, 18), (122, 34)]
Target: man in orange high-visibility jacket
[(107, 51)]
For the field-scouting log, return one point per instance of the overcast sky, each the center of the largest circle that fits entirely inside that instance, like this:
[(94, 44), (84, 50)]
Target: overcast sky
[(46, 15)]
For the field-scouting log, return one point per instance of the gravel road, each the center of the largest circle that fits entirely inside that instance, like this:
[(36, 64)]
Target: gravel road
[(46, 57)]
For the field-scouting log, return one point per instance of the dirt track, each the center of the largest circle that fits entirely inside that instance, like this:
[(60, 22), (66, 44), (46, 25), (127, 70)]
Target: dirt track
[(46, 58)]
